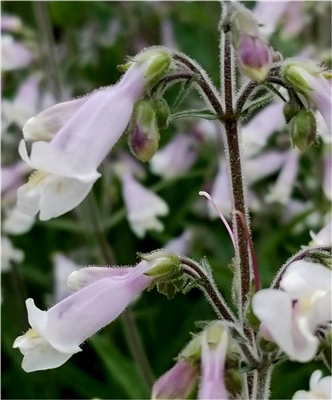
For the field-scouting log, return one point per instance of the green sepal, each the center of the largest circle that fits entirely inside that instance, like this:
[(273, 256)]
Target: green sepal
[(204, 114)]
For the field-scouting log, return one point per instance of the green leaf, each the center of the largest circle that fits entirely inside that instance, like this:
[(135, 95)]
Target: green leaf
[(119, 367), (257, 103), (204, 113)]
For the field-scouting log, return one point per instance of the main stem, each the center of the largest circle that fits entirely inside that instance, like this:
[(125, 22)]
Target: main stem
[(237, 185)]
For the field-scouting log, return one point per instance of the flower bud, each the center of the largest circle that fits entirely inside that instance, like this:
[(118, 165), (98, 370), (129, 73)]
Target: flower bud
[(177, 383), (303, 129), (164, 262), (291, 108), (144, 135), (254, 57), (233, 382), (159, 61), (162, 113)]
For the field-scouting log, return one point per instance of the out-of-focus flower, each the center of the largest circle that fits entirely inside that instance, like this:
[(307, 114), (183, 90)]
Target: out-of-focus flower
[(268, 15), (283, 187), (9, 254), (62, 267), (56, 334), (323, 237), (10, 23), (262, 165), (213, 358), (16, 222), (25, 104), (320, 388), (327, 178), (260, 128), (14, 54), (180, 244), (310, 80), (12, 175), (176, 157), (291, 315), (176, 383), (143, 206), (66, 167), (220, 192)]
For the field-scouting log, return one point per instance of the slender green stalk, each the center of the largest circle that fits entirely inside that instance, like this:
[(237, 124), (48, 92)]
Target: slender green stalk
[(48, 57)]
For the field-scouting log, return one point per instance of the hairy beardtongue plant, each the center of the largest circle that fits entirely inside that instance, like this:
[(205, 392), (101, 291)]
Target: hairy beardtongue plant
[(234, 356)]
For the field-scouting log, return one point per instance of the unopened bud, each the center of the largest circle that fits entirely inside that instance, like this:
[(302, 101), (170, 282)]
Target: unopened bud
[(162, 113), (177, 383), (294, 73), (303, 129), (193, 349), (254, 57), (233, 382), (144, 134), (290, 110), (164, 262), (159, 61)]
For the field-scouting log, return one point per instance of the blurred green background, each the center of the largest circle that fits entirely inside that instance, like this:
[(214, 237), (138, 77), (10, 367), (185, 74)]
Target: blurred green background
[(91, 39)]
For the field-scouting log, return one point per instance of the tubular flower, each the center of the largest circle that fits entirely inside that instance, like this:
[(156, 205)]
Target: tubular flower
[(82, 133), (213, 358), (56, 334), (291, 315)]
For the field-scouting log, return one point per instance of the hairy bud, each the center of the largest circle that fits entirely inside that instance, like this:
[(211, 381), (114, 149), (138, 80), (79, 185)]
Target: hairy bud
[(144, 133), (303, 129)]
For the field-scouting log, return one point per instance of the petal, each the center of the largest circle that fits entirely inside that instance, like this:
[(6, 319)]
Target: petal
[(36, 317), (86, 276), (60, 195), (302, 395), (43, 356), (22, 149), (303, 278), (28, 199), (47, 123)]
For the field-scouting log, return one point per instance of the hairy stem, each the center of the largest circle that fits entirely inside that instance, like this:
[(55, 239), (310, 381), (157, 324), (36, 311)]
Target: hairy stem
[(234, 155), (210, 289)]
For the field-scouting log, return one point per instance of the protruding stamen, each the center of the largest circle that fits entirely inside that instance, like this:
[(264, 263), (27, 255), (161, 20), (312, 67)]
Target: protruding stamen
[(214, 205)]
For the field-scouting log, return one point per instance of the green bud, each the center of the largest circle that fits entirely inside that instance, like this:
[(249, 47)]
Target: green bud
[(162, 113), (266, 345), (158, 62), (292, 75), (143, 132), (303, 129), (233, 382), (290, 110), (214, 333), (164, 262), (193, 349)]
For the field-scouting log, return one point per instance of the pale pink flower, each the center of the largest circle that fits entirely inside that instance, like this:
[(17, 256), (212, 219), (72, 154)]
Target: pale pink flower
[(14, 54), (56, 334), (176, 383), (82, 137), (176, 158), (213, 359)]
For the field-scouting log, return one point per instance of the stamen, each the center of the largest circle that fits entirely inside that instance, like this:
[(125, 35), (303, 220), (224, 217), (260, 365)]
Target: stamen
[(251, 247), (36, 176), (214, 205)]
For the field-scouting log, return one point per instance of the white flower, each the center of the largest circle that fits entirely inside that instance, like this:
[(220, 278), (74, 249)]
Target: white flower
[(320, 388), (143, 206), (56, 334), (16, 222), (292, 314), (323, 237), (9, 254)]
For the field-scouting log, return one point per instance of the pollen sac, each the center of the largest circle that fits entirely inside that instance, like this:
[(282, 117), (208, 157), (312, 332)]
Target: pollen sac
[(144, 133)]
